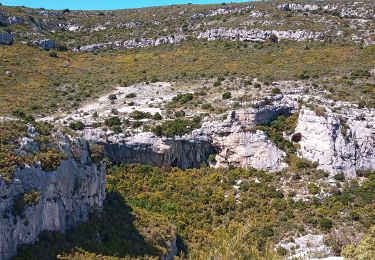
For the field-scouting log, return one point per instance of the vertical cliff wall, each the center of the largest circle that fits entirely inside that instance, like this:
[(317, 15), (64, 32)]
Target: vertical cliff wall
[(37, 200)]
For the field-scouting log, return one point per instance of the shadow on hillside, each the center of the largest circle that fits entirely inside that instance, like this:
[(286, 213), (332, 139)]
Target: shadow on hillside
[(110, 234)]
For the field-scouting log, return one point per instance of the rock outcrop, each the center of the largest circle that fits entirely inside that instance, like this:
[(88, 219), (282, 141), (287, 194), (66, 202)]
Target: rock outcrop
[(46, 44), (6, 38), (133, 44), (257, 35), (339, 143), (233, 140), (37, 200), (148, 149)]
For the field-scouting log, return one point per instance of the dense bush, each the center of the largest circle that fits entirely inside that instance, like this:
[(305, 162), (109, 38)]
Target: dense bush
[(211, 221), (276, 130), (157, 116), (276, 91), (118, 231), (24, 200), (183, 98), (77, 125), (226, 95), (136, 114), (96, 152), (172, 128), (131, 95), (113, 121), (50, 159)]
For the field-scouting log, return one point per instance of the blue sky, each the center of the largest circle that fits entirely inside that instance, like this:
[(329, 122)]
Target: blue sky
[(104, 4)]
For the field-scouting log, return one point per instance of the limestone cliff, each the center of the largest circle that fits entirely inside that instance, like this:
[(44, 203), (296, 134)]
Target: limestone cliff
[(232, 140), (38, 200), (338, 142)]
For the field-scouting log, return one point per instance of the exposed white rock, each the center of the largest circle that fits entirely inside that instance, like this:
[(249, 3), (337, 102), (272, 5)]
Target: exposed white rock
[(232, 139), (222, 11), (306, 247), (257, 35), (249, 149), (338, 143), (135, 43), (298, 7)]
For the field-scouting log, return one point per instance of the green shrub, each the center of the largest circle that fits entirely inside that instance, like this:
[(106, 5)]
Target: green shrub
[(227, 95), (339, 177), (217, 83), (131, 95), (281, 251), (313, 189), (53, 54), (112, 121), (157, 116), (96, 152), (137, 124), (172, 128), (212, 158), (179, 114), (360, 74), (183, 98), (24, 200), (116, 129), (154, 79), (364, 249), (325, 224), (302, 163), (77, 125), (43, 128), (276, 91), (50, 160), (138, 115)]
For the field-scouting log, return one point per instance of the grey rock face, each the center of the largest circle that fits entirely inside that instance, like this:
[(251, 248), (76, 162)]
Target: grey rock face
[(338, 143), (3, 19), (240, 146), (67, 196), (6, 38), (232, 140), (46, 44), (297, 7), (148, 149), (133, 44), (15, 20), (257, 35), (172, 252)]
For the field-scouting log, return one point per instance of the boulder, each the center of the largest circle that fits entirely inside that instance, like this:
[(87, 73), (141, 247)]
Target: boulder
[(46, 44), (6, 38)]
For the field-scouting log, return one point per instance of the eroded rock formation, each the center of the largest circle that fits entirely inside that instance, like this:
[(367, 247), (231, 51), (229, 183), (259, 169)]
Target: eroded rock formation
[(338, 142), (37, 200)]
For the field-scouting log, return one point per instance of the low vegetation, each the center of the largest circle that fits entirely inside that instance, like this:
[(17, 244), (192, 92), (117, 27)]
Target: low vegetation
[(46, 84), (177, 127), (211, 217), (24, 200)]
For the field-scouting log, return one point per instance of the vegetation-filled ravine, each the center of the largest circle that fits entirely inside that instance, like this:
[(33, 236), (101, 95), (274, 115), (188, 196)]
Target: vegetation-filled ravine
[(214, 213)]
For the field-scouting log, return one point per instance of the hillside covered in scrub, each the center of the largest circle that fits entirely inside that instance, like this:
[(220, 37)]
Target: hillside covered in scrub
[(231, 131)]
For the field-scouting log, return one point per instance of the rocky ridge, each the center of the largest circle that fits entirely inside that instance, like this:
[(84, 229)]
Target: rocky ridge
[(325, 22), (235, 141)]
